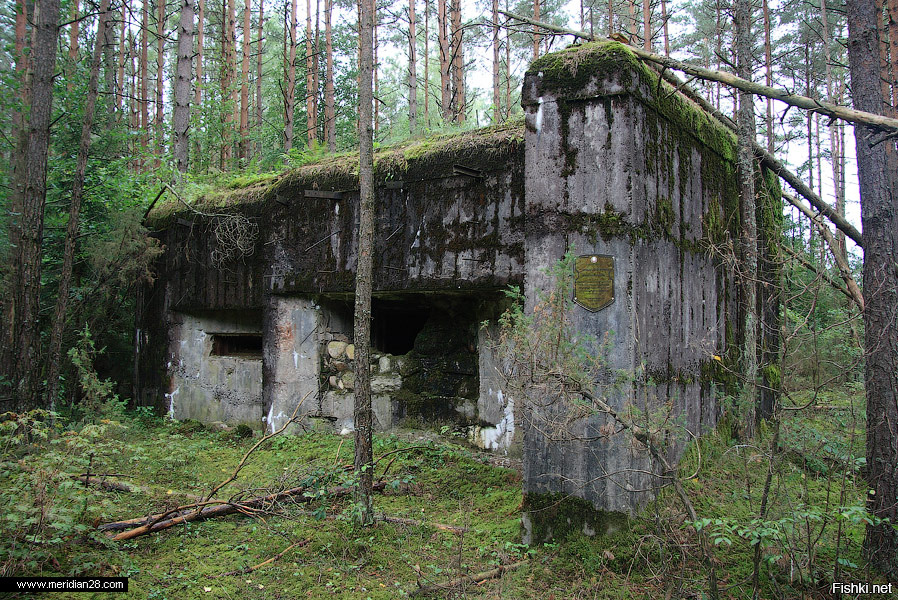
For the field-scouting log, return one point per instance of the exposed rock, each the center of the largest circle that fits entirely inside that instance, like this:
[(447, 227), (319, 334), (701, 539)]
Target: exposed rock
[(337, 349), (350, 351)]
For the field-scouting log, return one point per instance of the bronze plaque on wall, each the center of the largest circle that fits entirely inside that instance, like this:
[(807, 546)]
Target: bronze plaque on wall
[(594, 281)]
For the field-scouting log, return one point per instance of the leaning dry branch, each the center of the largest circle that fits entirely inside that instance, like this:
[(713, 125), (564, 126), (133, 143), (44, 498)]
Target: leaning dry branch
[(458, 582), (771, 162), (841, 262), (817, 271), (835, 111)]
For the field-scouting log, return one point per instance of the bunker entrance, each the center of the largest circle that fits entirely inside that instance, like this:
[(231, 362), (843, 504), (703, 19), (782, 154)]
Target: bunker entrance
[(424, 357)]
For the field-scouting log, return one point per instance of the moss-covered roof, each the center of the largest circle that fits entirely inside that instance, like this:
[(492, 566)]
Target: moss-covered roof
[(568, 73), (484, 149)]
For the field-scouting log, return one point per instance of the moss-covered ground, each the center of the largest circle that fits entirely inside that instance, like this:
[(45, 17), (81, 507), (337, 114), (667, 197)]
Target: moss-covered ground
[(814, 524)]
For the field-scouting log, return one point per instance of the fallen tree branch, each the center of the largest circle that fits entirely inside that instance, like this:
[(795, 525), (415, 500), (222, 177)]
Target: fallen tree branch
[(191, 513), (835, 111), (466, 580), (416, 523), (246, 570), (816, 271)]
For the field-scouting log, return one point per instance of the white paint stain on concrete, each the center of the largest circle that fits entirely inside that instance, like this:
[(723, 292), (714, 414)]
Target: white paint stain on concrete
[(171, 402)]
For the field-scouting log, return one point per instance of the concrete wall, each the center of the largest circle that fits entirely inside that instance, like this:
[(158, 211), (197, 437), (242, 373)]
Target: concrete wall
[(612, 170), (213, 388)]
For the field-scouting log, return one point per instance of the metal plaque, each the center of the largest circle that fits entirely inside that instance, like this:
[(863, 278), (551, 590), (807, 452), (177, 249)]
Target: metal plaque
[(594, 281)]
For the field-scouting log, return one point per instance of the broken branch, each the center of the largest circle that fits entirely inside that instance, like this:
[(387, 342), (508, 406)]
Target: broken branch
[(468, 579)]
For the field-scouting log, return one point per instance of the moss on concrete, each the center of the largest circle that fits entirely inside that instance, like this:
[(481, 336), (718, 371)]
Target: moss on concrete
[(554, 517)]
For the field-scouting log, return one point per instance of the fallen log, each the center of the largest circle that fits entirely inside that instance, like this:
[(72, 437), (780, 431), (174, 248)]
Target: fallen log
[(246, 570), (188, 514), (416, 523), (466, 580)]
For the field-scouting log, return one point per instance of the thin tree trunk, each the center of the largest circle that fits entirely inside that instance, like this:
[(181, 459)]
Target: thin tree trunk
[(749, 240), (200, 23), (445, 62), (330, 118), (316, 74), (71, 237), (376, 79), (878, 178), (458, 65), (183, 79), (497, 114), (507, 69), (290, 101), (43, 55), (259, 54), (536, 36), (123, 52), (363, 459), (427, 63), (229, 70), (244, 82), (73, 46), (412, 70), (144, 76), (647, 25), (160, 81), (768, 65), (310, 80), (664, 20)]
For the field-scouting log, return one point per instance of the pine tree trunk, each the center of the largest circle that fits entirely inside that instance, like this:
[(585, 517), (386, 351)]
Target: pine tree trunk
[(412, 70), (664, 19), (427, 63), (310, 79), (229, 68), (536, 36), (362, 318), (160, 81), (123, 53), (73, 46), (330, 121), (144, 76), (290, 100), (768, 65), (647, 25), (71, 237), (878, 178), (259, 55), (244, 82), (183, 79), (445, 62), (200, 24), (458, 62), (43, 58), (497, 114), (316, 75), (749, 239)]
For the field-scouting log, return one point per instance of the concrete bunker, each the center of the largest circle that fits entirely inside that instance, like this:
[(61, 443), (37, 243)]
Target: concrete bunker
[(610, 160)]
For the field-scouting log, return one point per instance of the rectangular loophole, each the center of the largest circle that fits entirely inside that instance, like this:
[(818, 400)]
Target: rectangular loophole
[(242, 345)]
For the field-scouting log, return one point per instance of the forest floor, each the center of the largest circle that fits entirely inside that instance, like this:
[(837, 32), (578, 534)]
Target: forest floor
[(810, 535)]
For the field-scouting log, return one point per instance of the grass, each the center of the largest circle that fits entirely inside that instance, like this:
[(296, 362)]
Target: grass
[(815, 476)]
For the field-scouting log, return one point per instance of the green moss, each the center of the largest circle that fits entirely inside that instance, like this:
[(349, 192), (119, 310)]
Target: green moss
[(575, 72), (665, 218), (554, 517)]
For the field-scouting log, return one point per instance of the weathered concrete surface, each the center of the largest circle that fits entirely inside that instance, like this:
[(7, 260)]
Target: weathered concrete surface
[(611, 170), (213, 388), (291, 361)]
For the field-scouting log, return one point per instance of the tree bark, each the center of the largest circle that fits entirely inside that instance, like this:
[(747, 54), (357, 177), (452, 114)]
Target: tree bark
[(290, 100), (259, 54), (536, 36), (445, 62), (363, 460), (144, 76), (878, 179), (244, 82), (330, 117), (458, 64), (412, 70), (228, 90), (200, 23), (426, 63), (311, 130), (745, 164), (183, 79), (71, 236), (43, 59), (73, 46), (160, 81), (497, 114)]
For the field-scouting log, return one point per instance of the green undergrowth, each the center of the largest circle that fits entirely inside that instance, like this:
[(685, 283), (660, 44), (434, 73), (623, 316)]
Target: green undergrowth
[(815, 512)]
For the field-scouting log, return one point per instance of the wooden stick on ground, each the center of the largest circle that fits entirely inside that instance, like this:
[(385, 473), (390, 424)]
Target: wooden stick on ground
[(246, 570), (466, 580)]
